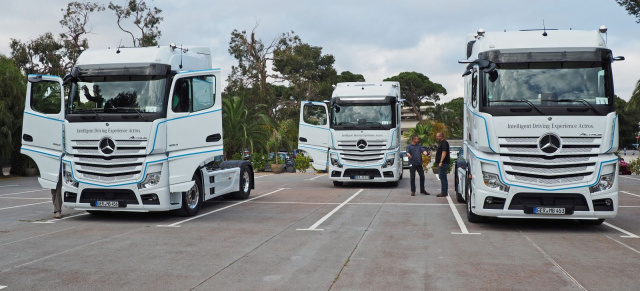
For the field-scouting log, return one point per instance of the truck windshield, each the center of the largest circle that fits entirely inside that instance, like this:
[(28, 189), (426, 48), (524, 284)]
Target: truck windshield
[(549, 86), (362, 116), (118, 94)]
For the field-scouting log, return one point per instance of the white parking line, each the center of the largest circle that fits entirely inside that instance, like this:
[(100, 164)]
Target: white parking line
[(8, 186), (630, 193), (25, 198), (624, 244), (630, 178), (24, 205), (58, 219), (24, 192), (258, 177), (315, 225), (356, 203), (456, 214), (177, 224), (628, 234), (317, 177), (2, 287)]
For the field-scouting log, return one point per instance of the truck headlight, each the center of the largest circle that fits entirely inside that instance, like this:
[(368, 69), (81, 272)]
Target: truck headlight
[(492, 180), (389, 162), (151, 180), (605, 182), (334, 160), (67, 176)]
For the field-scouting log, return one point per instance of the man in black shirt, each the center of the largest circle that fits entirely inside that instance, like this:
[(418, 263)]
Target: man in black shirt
[(443, 160), (414, 153)]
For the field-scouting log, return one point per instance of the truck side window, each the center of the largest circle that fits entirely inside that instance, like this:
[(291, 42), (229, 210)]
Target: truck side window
[(314, 114), (181, 95), (474, 89), (203, 92), (45, 97)]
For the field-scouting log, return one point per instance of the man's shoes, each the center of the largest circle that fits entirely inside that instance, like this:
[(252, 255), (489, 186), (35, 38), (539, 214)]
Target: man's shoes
[(442, 195), (413, 193), (57, 215), (425, 192)]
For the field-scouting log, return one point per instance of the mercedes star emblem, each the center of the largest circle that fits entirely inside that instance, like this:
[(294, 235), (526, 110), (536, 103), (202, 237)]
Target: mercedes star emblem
[(549, 143), (107, 146), (361, 144)]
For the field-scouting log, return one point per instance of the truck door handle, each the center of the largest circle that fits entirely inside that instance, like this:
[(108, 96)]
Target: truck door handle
[(214, 137), (27, 137), (302, 139)]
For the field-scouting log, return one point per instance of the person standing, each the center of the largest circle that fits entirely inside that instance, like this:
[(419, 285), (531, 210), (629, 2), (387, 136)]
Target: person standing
[(414, 153), (443, 160)]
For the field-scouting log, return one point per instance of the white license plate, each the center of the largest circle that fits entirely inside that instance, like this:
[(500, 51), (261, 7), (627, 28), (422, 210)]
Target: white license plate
[(107, 204), (362, 177), (549, 210)]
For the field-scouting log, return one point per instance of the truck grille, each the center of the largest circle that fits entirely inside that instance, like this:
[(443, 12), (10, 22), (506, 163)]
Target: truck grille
[(372, 154), (125, 163), (574, 162)]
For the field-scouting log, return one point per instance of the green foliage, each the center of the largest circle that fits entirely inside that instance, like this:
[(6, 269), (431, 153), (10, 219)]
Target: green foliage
[(632, 7), (41, 55), (302, 163), (259, 161), (146, 19), (243, 127), (634, 166), (451, 114), (426, 132), (347, 76), (434, 165), (416, 89), (76, 20), (236, 156), (12, 94)]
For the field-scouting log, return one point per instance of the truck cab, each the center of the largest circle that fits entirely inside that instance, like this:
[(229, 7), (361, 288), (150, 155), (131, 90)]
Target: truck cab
[(355, 136)]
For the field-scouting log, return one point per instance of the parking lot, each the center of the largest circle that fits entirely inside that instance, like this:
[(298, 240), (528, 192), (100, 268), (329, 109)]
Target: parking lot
[(299, 232)]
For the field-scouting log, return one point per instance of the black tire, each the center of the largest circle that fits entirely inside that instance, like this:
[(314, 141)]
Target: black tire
[(401, 174), (338, 183), (394, 183), (471, 217), (591, 222), (192, 199), (244, 188), (291, 169)]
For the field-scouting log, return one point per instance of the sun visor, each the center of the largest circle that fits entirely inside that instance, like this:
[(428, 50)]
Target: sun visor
[(597, 55)]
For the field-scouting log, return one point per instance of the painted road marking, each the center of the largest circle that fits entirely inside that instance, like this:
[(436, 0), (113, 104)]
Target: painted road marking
[(629, 178), (17, 241), (627, 246), (628, 234), (355, 203), (315, 225), (177, 224), (317, 177), (24, 205), (2, 287), (263, 176), (630, 193), (24, 192), (9, 186), (58, 219), (456, 214), (25, 198)]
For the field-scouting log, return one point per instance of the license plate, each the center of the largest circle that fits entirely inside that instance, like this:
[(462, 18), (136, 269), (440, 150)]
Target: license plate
[(358, 177), (107, 204), (549, 210)]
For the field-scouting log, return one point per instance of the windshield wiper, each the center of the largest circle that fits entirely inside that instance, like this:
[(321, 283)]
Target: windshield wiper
[(136, 110), (585, 102), (519, 101), (92, 110)]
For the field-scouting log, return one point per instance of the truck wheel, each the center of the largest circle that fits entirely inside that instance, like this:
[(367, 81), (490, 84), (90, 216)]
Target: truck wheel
[(245, 184), (192, 199), (291, 169), (591, 222), (338, 183), (394, 183), (471, 217)]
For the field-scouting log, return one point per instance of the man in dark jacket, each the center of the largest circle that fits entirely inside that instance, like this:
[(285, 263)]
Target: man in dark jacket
[(414, 153), (443, 161)]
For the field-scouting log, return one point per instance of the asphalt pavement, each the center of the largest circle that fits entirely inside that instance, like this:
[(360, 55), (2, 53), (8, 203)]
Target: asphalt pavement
[(299, 232)]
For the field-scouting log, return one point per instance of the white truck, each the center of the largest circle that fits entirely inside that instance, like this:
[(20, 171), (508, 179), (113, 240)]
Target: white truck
[(540, 126), (140, 130), (355, 135)]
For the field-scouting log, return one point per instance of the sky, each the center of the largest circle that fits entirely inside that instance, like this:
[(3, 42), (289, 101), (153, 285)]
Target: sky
[(375, 38)]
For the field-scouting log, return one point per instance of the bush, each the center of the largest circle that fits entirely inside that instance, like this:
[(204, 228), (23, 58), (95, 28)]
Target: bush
[(259, 162), (451, 163), (635, 166), (236, 157), (302, 163)]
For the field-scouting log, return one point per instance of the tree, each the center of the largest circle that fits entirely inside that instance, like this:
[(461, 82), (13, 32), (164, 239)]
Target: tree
[(347, 76), (144, 18), (76, 20), (12, 92), (249, 77), (416, 89), (450, 114), (632, 6), (243, 127), (426, 132)]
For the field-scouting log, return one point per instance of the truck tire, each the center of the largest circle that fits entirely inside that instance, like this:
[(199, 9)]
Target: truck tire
[(591, 222), (471, 217), (338, 183), (394, 183), (244, 189), (291, 169), (192, 199)]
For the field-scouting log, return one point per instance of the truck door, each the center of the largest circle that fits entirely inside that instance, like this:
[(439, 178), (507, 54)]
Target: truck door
[(314, 136), (43, 126), (194, 121)]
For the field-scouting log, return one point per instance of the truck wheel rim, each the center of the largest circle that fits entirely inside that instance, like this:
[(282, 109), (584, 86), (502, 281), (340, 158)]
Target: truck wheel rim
[(245, 182), (193, 197)]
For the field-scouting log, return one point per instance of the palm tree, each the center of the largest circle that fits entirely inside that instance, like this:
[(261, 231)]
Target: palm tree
[(243, 127)]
